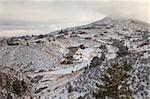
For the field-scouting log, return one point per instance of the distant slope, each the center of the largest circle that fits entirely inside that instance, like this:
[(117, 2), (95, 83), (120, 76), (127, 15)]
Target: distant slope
[(78, 57)]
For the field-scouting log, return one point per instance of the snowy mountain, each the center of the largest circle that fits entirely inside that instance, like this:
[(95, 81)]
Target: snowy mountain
[(78, 62)]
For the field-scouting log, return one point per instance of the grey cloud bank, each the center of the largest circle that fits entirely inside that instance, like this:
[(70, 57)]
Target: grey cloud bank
[(30, 17)]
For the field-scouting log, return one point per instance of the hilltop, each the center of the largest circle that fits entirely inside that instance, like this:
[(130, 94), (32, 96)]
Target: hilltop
[(72, 62)]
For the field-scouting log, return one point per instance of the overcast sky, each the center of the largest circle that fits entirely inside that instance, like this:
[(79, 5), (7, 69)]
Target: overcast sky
[(65, 13)]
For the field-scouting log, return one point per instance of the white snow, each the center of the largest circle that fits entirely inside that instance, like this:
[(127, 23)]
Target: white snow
[(84, 54), (111, 52)]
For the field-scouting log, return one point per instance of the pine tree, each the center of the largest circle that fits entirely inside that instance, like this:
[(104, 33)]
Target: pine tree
[(114, 82)]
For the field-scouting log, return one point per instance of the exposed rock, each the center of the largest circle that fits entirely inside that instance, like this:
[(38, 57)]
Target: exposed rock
[(36, 79), (40, 89)]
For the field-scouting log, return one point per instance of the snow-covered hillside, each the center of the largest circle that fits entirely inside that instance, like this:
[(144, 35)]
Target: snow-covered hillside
[(69, 63)]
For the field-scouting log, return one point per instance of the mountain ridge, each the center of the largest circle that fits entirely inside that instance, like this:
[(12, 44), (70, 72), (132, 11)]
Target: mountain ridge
[(78, 57)]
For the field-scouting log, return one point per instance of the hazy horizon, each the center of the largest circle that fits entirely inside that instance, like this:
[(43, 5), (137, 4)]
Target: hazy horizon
[(26, 17)]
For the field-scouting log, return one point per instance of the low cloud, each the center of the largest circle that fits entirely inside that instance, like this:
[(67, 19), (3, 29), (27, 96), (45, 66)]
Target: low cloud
[(62, 13)]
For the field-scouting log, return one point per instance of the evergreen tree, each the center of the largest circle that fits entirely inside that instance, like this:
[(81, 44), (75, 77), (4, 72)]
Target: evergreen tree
[(114, 82)]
